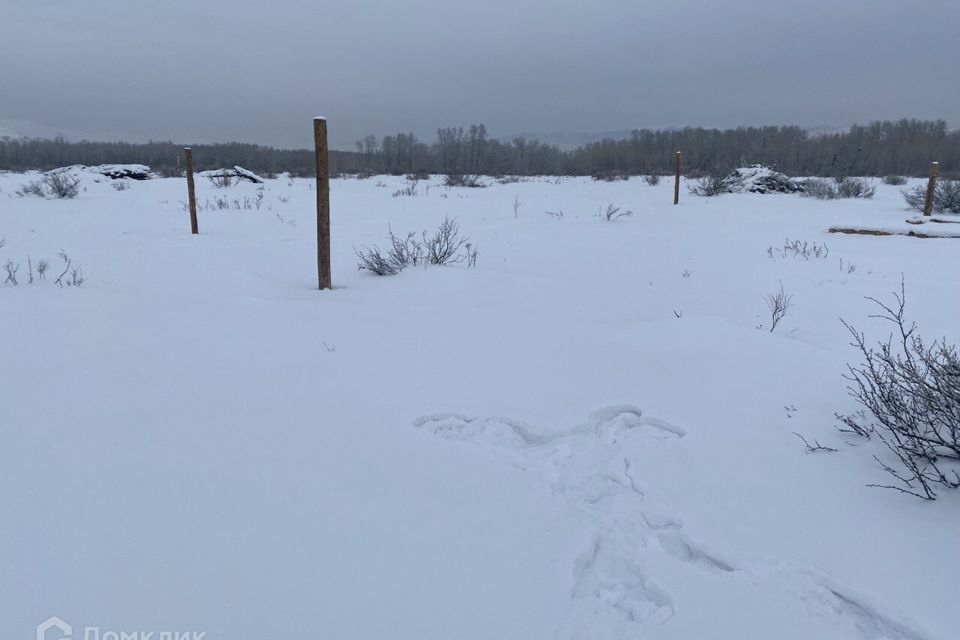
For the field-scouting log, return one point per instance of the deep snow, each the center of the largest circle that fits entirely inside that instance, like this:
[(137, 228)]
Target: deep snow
[(538, 447)]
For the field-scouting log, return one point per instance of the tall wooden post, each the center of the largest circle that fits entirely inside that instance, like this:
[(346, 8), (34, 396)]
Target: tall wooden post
[(191, 193), (323, 203), (931, 188), (676, 182)]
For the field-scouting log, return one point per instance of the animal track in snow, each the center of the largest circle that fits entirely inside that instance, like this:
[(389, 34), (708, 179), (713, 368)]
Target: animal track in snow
[(613, 593)]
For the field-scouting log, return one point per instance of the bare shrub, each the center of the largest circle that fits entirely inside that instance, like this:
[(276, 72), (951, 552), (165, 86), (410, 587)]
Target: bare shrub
[(798, 249), (910, 391), (409, 190), (60, 185), (52, 185), (72, 275), (11, 268), (709, 186), (119, 185), (610, 175), (779, 303), (472, 254), (946, 197), (895, 181), (445, 244), (372, 260), (220, 180), (614, 213), (837, 188), (855, 188), (819, 188), (405, 251), (652, 179), (32, 188), (462, 180)]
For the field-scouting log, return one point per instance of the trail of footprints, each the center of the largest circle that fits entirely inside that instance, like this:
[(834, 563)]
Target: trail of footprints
[(613, 594)]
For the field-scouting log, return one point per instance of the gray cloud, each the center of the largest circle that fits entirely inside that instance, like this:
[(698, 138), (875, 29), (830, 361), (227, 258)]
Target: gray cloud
[(258, 71)]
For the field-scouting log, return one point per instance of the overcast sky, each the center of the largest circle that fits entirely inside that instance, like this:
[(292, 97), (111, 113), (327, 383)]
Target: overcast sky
[(218, 70)]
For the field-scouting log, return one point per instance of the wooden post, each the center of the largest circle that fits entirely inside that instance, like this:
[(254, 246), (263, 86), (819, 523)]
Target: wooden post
[(194, 228), (323, 203), (676, 183), (931, 188)]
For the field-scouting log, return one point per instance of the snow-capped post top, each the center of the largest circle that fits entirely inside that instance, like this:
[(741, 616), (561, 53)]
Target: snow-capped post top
[(315, 118)]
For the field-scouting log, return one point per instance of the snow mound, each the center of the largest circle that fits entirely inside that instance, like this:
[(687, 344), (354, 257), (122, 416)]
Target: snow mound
[(760, 179), (236, 172), (111, 171)]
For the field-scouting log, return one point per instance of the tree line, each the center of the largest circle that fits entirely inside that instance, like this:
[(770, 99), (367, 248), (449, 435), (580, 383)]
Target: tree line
[(904, 147)]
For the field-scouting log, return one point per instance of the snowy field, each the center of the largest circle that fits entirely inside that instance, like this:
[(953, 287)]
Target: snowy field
[(588, 435)]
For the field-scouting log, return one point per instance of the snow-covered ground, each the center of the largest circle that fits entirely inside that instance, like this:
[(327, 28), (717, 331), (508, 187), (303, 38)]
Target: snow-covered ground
[(589, 435)]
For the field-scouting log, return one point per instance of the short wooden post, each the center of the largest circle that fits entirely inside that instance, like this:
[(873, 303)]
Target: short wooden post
[(931, 188), (676, 182), (191, 193), (323, 203)]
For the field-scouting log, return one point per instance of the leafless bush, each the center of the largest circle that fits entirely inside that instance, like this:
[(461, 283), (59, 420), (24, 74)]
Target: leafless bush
[(516, 207), (71, 276), (614, 213), (557, 215), (895, 181), (798, 249), (220, 180), (652, 179), (946, 197), (779, 303), (445, 244), (11, 268), (405, 251), (910, 391), (60, 185), (472, 254), (610, 175), (223, 203), (709, 186), (3, 242), (409, 190), (462, 180), (418, 175), (42, 267), (511, 179), (32, 188), (855, 188), (837, 189), (51, 185), (372, 260), (819, 188), (119, 185)]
